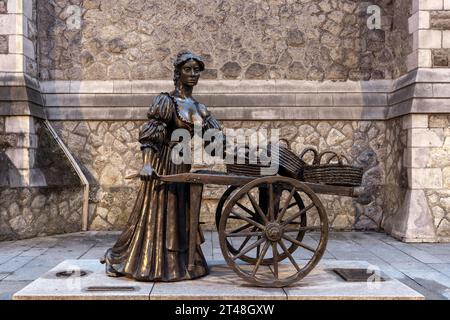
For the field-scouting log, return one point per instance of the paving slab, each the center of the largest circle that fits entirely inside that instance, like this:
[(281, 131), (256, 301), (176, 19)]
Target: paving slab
[(8, 288), (14, 264), (221, 284)]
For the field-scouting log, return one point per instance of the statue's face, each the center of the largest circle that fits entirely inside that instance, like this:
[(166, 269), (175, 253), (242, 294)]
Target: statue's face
[(190, 73)]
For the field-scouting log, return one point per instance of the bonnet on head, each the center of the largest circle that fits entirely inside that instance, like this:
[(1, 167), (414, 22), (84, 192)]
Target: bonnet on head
[(185, 56)]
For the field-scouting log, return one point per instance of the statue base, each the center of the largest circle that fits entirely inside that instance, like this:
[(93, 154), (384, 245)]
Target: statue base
[(86, 280)]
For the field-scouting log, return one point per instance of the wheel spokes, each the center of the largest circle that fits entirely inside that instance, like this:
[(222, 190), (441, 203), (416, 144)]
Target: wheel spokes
[(298, 214), (249, 248), (298, 243), (244, 234), (291, 258), (257, 208), (293, 204), (261, 258), (300, 229), (242, 228), (271, 203), (252, 222), (246, 240), (275, 258), (288, 201), (240, 205)]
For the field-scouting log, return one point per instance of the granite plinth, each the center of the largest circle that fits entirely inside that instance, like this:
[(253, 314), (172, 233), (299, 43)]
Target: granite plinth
[(222, 284)]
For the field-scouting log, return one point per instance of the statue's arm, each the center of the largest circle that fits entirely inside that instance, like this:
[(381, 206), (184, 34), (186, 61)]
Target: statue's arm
[(153, 134)]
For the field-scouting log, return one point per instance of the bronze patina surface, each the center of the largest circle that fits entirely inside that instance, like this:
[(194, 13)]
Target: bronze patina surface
[(155, 244), (261, 220)]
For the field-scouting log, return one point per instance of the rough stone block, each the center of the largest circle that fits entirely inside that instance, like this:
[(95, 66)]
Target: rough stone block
[(439, 121), (440, 57), (3, 7), (440, 20), (425, 178), (415, 121), (4, 46), (425, 137)]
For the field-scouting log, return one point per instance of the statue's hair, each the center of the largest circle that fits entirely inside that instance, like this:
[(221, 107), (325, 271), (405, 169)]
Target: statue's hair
[(181, 59)]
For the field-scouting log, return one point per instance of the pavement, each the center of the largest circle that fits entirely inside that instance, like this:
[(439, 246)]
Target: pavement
[(421, 266)]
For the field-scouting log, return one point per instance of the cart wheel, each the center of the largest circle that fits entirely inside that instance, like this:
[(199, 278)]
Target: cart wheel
[(242, 225), (274, 231)]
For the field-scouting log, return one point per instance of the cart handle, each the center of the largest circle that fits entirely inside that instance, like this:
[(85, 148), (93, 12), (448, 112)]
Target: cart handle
[(138, 175)]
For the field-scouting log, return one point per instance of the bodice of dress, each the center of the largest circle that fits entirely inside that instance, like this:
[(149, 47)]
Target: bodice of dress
[(188, 113), (168, 113)]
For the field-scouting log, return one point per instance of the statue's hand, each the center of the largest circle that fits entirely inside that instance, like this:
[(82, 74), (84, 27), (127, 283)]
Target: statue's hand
[(147, 173)]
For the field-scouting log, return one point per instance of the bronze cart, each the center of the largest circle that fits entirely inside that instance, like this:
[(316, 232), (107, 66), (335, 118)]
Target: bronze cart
[(272, 211)]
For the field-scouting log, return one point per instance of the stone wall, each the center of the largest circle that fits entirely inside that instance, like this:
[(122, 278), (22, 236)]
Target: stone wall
[(440, 21), (108, 152), (54, 204), (395, 173), (429, 26), (31, 212), (18, 41), (4, 38), (270, 39), (439, 159)]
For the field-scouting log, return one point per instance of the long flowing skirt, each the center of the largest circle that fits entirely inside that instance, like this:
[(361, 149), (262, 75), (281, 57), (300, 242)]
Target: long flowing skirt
[(154, 244)]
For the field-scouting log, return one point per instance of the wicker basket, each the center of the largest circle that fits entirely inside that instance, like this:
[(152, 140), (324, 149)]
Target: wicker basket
[(331, 173), (288, 163), (246, 168)]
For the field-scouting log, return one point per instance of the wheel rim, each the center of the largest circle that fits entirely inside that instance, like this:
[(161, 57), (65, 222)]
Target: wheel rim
[(236, 249), (272, 233)]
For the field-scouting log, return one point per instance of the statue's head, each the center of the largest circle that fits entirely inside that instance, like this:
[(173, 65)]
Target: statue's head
[(188, 67)]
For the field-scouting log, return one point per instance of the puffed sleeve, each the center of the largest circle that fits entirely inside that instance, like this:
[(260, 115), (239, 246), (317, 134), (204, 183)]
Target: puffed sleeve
[(154, 132)]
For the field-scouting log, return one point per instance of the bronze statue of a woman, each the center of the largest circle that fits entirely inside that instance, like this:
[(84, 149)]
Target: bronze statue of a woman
[(154, 244)]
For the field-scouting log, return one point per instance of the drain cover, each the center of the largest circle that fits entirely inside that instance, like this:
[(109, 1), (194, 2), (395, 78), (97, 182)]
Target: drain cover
[(358, 275), (110, 288), (71, 273)]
